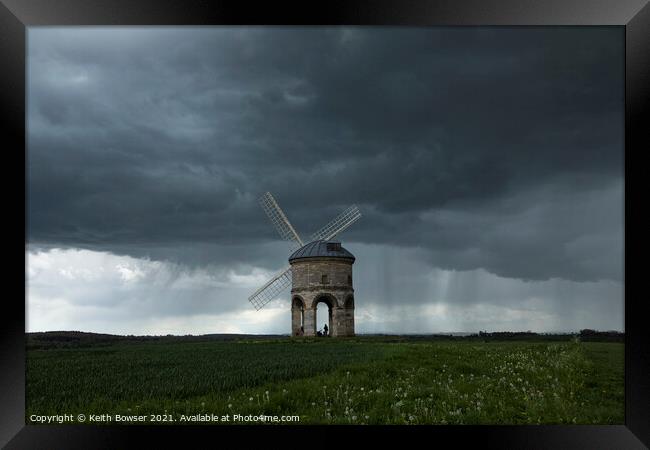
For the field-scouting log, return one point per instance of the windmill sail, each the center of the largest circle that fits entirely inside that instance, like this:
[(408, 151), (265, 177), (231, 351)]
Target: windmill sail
[(336, 226), (271, 289), (279, 220)]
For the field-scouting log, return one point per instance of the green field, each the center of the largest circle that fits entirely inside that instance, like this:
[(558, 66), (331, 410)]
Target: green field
[(361, 380)]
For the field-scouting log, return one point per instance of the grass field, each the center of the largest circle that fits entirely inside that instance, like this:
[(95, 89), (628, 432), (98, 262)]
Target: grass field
[(359, 380)]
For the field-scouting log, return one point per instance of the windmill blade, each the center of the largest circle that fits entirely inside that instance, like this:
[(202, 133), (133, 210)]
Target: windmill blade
[(340, 223), (271, 289), (279, 220)]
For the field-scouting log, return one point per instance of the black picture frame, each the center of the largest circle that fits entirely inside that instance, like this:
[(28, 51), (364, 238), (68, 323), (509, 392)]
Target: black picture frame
[(633, 15)]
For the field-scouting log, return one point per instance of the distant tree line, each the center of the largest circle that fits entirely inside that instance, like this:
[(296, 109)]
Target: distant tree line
[(73, 339), (586, 335), (601, 336), (521, 336)]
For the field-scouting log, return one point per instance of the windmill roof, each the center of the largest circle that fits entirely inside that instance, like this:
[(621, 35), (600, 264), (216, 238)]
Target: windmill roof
[(319, 249)]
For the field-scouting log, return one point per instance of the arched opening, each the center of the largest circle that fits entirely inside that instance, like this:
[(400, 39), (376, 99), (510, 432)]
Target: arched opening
[(299, 305), (298, 316), (323, 309)]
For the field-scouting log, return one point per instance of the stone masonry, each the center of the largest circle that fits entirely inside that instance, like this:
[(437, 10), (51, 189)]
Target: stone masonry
[(322, 279)]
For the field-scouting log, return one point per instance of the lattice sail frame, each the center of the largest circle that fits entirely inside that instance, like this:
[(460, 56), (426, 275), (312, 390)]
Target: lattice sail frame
[(279, 220), (272, 288), (338, 225)]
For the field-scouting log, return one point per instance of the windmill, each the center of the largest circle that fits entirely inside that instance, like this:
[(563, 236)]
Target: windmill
[(272, 288)]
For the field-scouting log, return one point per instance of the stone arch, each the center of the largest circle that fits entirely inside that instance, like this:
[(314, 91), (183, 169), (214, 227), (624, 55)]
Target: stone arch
[(298, 302), (332, 306), (324, 297), (349, 302)]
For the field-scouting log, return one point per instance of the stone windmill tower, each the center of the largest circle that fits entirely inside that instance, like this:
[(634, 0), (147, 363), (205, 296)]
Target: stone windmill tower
[(319, 272), (322, 272)]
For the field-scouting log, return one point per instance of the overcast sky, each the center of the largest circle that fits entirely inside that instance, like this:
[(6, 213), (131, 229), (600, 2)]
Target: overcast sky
[(487, 164)]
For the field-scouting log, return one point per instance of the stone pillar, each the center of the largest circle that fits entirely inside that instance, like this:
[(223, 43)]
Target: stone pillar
[(338, 322), (310, 322), (331, 324), (296, 320), (349, 321)]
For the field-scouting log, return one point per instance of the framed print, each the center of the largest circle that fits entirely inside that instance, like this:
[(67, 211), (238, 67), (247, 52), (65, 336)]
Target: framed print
[(363, 217)]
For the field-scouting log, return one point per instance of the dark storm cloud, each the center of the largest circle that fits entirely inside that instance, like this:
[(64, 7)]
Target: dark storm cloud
[(486, 148)]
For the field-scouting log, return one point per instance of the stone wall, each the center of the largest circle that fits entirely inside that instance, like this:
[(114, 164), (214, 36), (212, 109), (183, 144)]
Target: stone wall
[(308, 273), (310, 288)]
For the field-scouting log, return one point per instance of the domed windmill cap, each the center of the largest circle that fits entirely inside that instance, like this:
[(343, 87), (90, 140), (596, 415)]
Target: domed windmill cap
[(273, 287), (322, 249)]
